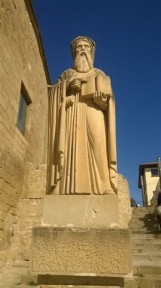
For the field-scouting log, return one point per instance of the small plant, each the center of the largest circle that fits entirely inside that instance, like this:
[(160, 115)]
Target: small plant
[(139, 274), (32, 283)]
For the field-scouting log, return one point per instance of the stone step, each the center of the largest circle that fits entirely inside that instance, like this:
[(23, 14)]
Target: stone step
[(156, 234), (144, 238), (149, 225), (141, 251), (143, 224), (139, 233), (149, 208), (148, 282), (146, 234), (143, 227), (145, 230), (143, 221), (149, 248), (141, 268), (147, 242), (141, 216), (144, 215), (147, 221), (150, 218), (146, 257), (146, 248), (144, 210)]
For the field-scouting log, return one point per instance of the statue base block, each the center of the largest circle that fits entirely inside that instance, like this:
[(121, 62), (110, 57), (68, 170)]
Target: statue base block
[(81, 211), (76, 251), (80, 242)]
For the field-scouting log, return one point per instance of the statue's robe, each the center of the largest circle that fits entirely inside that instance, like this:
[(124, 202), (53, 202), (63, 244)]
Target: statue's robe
[(82, 140)]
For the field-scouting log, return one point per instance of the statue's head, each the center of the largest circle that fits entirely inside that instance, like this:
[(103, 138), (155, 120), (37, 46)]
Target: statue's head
[(90, 42), (83, 51)]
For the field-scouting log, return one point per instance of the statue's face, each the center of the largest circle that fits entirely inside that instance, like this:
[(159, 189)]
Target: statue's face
[(83, 58), (83, 46)]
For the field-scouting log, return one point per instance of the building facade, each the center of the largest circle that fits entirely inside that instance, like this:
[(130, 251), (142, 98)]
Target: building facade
[(149, 182)]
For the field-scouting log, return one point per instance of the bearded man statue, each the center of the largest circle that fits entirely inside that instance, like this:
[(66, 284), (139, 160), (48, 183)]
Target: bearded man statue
[(81, 138)]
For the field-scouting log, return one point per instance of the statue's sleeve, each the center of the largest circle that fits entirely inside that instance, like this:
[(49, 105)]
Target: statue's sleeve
[(56, 133), (53, 119), (111, 135), (66, 75)]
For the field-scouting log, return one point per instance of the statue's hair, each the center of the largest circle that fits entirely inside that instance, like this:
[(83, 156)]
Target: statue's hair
[(87, 39)]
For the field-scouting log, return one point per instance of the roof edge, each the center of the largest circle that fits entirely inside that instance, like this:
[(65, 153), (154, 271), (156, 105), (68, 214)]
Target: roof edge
[(35, 26)]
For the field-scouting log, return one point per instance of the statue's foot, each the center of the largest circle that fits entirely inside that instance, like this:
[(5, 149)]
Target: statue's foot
[(108, 192)]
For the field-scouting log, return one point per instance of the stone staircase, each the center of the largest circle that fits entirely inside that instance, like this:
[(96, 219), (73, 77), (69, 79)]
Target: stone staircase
[(146, 248)]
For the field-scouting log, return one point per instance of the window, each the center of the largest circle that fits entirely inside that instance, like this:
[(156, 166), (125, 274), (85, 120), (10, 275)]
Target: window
[(22, 112), (154, 172)]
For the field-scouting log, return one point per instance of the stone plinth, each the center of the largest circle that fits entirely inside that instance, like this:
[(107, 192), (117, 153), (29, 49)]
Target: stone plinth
[(81, 211), (80, 242), (71, 250)]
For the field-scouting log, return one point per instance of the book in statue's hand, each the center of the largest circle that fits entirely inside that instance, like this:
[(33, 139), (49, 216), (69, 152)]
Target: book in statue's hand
[(94, 84)]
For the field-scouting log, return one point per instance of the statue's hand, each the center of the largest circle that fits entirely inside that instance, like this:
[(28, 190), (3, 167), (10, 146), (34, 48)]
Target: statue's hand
[(75, 85), (69, 101), (101, 99)]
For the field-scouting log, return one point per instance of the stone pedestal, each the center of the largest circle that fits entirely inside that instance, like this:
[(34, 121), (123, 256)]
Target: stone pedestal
[(73, 251), (92, 211), (80, 242)]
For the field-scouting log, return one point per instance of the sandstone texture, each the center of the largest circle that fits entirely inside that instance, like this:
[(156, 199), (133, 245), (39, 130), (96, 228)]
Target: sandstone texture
[(99, 251)]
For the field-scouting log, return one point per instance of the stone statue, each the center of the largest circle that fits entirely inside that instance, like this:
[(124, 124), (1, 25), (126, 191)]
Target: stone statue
[(82, 142)]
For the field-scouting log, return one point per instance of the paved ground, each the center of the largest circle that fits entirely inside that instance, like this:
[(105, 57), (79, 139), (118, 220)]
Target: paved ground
[(11, 277)]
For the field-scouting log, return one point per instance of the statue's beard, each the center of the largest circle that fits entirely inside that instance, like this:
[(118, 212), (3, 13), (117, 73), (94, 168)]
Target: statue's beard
[(83, 62)]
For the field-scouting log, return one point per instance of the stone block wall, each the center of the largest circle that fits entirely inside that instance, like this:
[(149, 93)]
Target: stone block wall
[(21, 62), (16, 238), (28, 215), (124, 201), (34, 185)]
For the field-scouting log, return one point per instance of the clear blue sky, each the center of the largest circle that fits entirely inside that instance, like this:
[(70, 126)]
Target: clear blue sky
[(128, 49)]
